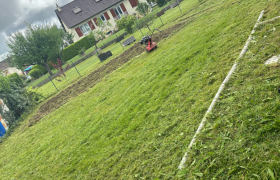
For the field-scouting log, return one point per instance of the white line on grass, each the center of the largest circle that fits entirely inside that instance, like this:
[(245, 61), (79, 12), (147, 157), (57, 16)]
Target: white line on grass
[(269, 20), (244, 50)]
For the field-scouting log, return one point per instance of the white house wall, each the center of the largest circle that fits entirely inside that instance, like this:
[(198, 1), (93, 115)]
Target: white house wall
[(128, 7)]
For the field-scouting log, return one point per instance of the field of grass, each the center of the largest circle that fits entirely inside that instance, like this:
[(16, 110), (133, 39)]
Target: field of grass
[(138, 121), (167, 19), (243, 130), (93, 62)]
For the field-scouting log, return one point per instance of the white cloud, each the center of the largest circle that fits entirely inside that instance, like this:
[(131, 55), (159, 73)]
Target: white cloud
[(13, 14)]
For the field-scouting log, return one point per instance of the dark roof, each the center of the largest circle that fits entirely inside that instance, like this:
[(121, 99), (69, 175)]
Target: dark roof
[(3, 65), (89, 9)]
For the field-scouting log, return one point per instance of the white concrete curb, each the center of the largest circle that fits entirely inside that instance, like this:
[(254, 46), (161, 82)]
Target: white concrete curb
[(244, 50)]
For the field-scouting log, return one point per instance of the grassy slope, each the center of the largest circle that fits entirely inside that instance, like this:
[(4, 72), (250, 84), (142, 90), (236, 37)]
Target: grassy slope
[(243, 130), (93, 63), (137, 122)]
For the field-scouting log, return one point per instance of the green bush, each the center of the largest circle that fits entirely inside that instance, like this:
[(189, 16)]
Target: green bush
[(41, 68), (73, 50), (14, 97), (35, 73), (146, 21), (28, 81), (4, 85), (126, 22), (15, 78)]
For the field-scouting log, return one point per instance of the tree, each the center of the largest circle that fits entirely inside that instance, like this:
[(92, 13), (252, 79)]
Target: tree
[(60, 69), (142, 8), (126, 22), (38, 44), (100, 33), (146, 21)]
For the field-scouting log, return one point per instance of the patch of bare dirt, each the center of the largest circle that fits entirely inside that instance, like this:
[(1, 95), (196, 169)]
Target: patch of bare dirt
[(96, 76)]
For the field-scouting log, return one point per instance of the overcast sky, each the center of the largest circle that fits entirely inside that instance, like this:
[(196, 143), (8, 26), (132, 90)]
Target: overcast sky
[(13, 14)]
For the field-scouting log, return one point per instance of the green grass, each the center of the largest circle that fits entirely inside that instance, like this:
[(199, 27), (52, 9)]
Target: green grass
[(110, 38), (93, 63), (167, 19), (76, 58), (138, 121), (243, 130)]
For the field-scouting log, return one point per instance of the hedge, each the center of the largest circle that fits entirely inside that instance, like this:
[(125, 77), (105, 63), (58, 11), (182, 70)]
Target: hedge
[(73, 50), (15, 78), (41, 68)]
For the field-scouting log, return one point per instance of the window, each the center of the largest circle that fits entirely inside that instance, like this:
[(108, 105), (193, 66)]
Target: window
[(85, 28), (102, 17), (76, 10), (119, 12)]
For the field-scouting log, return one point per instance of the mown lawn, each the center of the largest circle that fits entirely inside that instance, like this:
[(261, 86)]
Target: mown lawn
[(138, 121), (93, 62), (243, 130)]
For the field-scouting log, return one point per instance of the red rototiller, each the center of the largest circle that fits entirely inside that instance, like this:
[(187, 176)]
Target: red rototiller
[(147, 40)]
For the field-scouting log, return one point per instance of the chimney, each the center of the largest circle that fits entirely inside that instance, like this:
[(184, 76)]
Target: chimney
[(58, 8)]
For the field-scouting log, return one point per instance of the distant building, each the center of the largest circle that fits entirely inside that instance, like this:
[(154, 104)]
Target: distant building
[(3, 124), (7, 70), (79, 17)]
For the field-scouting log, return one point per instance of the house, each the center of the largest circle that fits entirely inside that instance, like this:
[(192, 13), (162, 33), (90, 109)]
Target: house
[(3, 124), (7, 70), (79, 17)]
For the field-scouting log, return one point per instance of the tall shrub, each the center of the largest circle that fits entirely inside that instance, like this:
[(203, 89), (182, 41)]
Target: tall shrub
[(126, 22), (41, 68), (15, 98), (15, 78), (35, 73), (146, 21)]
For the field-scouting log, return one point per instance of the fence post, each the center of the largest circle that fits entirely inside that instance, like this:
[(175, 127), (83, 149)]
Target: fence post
[(159, 17), (75, 68), (52, 82), (179, 6), (119, 42)]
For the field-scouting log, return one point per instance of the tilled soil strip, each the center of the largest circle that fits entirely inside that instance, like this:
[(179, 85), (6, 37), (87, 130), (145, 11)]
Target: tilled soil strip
[(97, 75)]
